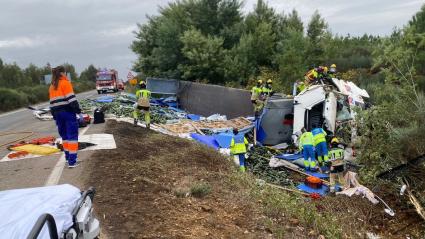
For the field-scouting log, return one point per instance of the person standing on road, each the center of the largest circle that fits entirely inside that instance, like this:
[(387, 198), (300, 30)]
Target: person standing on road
[(64, 107), (238, 147), (143, 97)]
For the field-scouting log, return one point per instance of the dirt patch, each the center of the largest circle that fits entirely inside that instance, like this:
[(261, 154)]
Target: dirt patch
[(144, 186), (157, 186)]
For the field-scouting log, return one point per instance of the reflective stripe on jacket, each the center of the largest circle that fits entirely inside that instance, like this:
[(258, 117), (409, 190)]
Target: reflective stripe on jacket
[(306, 139), (238, 144), (336, 153), (312, 74), (63, 98), (143, 93), (319, 135), (266, 91), (256, 92)]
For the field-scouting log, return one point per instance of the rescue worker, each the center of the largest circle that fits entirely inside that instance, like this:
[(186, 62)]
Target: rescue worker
[(311, 76), (143, 103), (267, 90), (300, 86), (336, 155), (238, 147), (332, 71), (257, 98), (319, 136), (306, 145), (64, 108), (322, 72)]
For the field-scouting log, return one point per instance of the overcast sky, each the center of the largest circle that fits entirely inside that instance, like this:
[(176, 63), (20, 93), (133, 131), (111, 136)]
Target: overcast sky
[(99, 32)]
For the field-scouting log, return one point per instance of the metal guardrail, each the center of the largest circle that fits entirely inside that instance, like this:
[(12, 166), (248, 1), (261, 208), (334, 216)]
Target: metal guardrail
[(51, 224)]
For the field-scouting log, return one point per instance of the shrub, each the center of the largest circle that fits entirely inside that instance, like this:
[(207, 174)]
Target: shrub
[(35, 94), (11, 99), (200, 190)]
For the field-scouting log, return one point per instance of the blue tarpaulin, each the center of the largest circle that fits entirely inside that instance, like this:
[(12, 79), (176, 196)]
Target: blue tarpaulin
[(205, 139), (171, 104), (224, 139), (176, 109), (289, 157), (194, 117), (322, 191), (105, 99)]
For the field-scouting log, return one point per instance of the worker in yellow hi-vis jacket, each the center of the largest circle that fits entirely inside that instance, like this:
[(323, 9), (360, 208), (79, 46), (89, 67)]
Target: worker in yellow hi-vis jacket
[(143, 97)]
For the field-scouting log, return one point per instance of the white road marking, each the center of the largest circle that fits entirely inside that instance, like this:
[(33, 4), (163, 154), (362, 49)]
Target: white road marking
[(56, 173)]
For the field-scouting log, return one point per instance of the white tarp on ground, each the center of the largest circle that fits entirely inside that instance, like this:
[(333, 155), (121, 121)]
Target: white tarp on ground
[(102, 141), (21, 208)]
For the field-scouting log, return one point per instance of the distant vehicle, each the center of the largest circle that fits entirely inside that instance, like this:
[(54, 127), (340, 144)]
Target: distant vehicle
[(120, 85), (106, 80)]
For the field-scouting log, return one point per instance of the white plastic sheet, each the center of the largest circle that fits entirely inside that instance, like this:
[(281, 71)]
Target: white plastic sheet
[(21, 208)]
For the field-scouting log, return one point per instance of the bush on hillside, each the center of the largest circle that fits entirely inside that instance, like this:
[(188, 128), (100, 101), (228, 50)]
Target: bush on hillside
[(35, 94), (11, 99)]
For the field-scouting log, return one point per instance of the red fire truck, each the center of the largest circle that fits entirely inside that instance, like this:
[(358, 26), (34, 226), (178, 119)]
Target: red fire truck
[(106, 80)]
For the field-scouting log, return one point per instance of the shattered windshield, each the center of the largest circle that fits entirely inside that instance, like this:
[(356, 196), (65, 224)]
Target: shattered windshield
[(343, 109)]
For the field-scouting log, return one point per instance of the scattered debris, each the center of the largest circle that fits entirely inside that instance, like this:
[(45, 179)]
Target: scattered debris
[(258, 164), (355, 188)]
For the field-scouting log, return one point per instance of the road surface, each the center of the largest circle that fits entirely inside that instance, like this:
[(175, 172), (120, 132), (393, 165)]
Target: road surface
[(35, 172)]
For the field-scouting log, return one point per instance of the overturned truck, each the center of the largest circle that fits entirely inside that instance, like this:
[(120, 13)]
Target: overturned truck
[(330, 105)]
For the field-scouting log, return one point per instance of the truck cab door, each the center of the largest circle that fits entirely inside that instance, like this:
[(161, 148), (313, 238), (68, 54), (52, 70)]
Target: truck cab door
[(329, 113)]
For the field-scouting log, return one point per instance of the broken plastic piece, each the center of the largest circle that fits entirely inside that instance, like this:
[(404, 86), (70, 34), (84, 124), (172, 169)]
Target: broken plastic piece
[(403, 189)]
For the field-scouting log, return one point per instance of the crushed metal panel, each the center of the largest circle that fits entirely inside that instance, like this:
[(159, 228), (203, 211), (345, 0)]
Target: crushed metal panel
[(314, 95), (329, 114), (305, 101), (272, 121), (299, 114), (350, 89)]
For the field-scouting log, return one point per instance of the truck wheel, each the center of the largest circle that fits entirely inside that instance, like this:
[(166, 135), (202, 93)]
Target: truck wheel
[(98, 92)]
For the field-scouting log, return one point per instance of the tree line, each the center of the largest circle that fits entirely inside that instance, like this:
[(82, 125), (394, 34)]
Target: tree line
[(213, 41), (20, 87)]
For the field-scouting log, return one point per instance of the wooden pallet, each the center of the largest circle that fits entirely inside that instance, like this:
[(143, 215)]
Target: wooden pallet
[(187, 126)]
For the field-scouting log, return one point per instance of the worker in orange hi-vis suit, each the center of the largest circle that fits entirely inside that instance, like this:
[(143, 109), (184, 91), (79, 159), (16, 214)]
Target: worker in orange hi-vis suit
[(64, 107)]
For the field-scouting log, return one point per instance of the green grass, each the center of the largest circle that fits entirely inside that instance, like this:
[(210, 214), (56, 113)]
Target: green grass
[(200, 190), (280, 206)]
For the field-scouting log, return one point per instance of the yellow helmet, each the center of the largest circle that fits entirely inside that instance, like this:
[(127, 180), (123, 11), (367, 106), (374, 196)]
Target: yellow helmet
[(334, 140), (142, 82), (260, 82), (325, 69), (333, 66), (269, 81)]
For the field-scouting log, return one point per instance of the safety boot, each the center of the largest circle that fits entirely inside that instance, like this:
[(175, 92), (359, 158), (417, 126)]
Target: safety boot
[(242, 169)]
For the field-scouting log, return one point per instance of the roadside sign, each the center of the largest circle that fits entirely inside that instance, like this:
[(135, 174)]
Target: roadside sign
[(133, 81), (130, 76)]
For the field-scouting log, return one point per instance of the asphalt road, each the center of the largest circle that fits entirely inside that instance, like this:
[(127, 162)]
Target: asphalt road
[(34, 172)]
